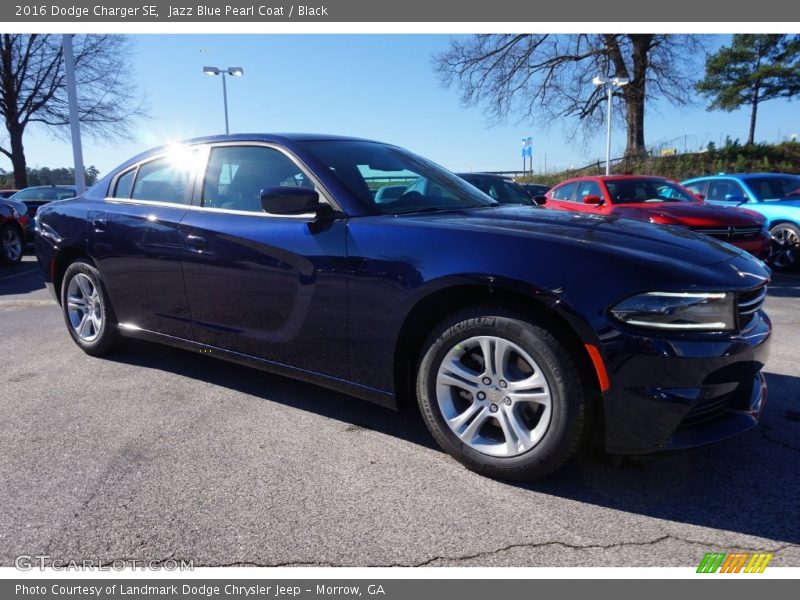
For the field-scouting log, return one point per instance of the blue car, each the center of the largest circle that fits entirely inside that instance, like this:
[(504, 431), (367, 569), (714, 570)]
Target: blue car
[(517, 332), (774, 195)]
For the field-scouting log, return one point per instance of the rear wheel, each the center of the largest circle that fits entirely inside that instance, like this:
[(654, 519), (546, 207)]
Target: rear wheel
[(12, 245), (785, 246), (87, 310), (502, 395)]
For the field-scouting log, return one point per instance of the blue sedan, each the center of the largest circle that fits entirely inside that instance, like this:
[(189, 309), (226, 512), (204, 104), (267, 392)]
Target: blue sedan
[(517, 332), (774, 195)]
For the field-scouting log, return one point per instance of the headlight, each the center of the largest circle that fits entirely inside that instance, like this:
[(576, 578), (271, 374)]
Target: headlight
[(679, 311)]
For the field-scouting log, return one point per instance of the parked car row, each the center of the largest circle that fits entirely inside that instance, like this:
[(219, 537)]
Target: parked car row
[(17, 210), (758, 212), (365, 268)]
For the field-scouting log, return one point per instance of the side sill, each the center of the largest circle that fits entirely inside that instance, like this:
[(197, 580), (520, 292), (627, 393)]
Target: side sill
[(363, 392)]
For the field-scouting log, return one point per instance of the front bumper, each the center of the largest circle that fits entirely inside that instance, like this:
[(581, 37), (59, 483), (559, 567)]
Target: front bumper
[(760, 247), (684, 392)]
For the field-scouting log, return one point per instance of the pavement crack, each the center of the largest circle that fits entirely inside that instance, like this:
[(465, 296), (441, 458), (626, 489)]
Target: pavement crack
[(172, 560), (535, 545)]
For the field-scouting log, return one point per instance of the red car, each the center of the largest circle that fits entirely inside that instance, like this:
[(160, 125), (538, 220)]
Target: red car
[(662, 201), (14, 226)]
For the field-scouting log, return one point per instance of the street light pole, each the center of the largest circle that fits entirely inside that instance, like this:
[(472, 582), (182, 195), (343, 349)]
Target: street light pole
[(608, 132), (233, 72), (225, 102), (74, 119), (610, 85)]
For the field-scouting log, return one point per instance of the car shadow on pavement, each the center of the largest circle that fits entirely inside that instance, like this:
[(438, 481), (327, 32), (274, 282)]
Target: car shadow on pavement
[(275, 388), (749, 485), (21, 278)]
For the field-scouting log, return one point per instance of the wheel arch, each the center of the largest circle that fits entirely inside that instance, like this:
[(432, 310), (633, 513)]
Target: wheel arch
[(434, 307), (63, 259)]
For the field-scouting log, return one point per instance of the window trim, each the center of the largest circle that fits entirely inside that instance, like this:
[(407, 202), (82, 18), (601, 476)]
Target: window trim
[(115, 183), (189, 194), (196, 186), (197, 196)]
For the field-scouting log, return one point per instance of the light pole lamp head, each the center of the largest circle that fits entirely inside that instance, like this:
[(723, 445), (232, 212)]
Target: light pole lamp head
[(211, 70), (620, 81), (598, 81), (235, 71)]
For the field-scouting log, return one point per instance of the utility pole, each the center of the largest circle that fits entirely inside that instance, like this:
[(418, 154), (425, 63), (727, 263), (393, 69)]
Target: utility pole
[(74, 122)]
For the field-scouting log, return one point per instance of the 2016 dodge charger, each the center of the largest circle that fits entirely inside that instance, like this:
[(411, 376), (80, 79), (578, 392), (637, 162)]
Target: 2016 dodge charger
[(517, 331)]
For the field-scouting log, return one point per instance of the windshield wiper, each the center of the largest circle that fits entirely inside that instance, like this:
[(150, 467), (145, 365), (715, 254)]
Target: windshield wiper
[(430, 209)]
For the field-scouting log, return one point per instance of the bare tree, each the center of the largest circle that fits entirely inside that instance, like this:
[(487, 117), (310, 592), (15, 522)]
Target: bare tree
[(545, 77), (32, 89)]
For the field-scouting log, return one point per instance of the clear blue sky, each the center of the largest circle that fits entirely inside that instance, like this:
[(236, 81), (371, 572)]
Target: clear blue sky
[(375, 86)]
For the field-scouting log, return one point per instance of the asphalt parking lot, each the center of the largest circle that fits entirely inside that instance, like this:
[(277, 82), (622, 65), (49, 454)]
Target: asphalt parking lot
[(159, 453)]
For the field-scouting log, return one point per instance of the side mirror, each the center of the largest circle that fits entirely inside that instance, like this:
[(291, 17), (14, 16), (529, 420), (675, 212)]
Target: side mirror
[(738, 198), (701, 196), (286, 200), (593, 199), (539, 200)]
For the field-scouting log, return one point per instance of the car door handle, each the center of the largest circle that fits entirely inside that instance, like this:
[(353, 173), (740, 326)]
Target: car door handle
[(100, 223), (196, 242)]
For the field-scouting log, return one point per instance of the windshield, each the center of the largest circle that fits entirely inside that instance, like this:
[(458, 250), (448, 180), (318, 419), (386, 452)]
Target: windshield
[(502, 190), (394, 181), (775, 188), (636, 191), (46, 193)]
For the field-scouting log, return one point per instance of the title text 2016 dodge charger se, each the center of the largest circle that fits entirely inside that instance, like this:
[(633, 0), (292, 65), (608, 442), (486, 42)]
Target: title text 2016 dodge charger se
[(517, 331)]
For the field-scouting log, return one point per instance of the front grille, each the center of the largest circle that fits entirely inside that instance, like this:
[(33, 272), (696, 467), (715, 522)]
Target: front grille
[(749, 303), (734, 232), (708, 410)]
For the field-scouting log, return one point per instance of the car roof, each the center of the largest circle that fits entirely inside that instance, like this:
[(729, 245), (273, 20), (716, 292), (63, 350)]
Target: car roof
[(743, 175), (60, 186), (494, 175), (278, 138), (284, 139), (613, 178)]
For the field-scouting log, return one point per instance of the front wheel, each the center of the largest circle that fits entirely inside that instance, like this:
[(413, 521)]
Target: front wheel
[(502, 395), (785, 246), (87, 310)]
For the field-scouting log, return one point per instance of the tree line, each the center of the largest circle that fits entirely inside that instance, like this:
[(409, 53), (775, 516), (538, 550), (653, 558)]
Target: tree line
[(48, 176), (544, 77)]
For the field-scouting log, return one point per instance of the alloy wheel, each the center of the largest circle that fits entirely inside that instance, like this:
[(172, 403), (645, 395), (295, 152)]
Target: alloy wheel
[(12, 244), (785, 246), (494, 396), (84, 307)]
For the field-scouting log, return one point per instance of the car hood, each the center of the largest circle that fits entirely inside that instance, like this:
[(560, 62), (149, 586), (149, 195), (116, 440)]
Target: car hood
[(689, 214), (781, 203), (606, 235)]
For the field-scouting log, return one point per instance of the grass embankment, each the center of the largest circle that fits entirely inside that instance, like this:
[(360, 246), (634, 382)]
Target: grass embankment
[(731, 158)]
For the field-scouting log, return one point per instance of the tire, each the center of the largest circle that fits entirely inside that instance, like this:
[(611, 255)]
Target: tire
[(533, 413), (12, 245), (785, 253), (87, 310)]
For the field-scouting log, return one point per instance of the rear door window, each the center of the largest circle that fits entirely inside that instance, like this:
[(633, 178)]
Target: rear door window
[(167, 179)]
